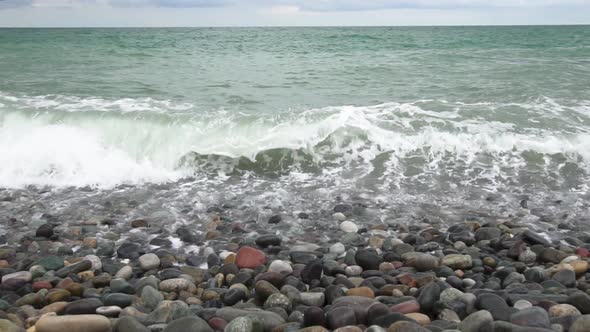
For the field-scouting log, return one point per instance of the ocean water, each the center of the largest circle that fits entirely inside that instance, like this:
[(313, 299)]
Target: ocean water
[(409, 123)]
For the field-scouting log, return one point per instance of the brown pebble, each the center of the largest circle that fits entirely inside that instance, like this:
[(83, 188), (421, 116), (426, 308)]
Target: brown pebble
[(422, 319), (361, 291)]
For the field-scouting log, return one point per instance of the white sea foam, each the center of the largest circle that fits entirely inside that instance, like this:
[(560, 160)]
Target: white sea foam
[(60, 146)]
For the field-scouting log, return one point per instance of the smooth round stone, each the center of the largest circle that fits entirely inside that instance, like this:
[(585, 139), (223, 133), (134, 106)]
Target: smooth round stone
[(41, 285), (405, 326), (75, 323), (129, 324), (468, 282), (449, 295), (8, 326), (83, 306), (479, 321), (528, 256), (353, 270), (349, 329), (95, 261), (51, 263), (581, 324), (175, 285), (406, 307), (217, 323), (565, 277), (188, 324), (234, 296), (278, 300), (314, 316), (151, 297), (244, 324), (422, 319), (339, 216), (361, 291), (419, 261), (579, 266), (264, 289), (250, 258), (57, 295), (531, 317), (57, 307), (125, 272), (149, 262), (337, 248), (429, 294), (563, 310), (581, 301), (22, 276), (457, 261), (45, 230), (340, 317), (449, 315), (368, 259), (33, 299), (312, 271), (522, 304), (118, 299), (280, 266), (348, 227), (312, 299), (109, 311), (535, 274), (460, 245), (121, 286), (269, 319)]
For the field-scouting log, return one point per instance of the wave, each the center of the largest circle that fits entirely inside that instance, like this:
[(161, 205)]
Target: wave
[(71, 141)]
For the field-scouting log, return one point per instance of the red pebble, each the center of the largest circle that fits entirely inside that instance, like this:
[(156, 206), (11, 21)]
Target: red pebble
[(407, 307), (37, 285), (249, 258), (582, 252), (217, 323)]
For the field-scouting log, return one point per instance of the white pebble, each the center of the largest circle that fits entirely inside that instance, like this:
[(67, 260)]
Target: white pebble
[(280, 267), (348, 227), (339, 216), (522, 304), (96, 262), (149, 261), (337, 248)]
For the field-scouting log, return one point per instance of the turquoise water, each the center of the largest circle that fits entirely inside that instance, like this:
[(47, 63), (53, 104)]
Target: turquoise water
[(420, 111)]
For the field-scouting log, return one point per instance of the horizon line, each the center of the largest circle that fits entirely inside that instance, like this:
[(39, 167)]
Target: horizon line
[(294, 26)]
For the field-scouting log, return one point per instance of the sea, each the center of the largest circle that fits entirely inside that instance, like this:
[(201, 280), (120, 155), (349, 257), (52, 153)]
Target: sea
[(405, 124)]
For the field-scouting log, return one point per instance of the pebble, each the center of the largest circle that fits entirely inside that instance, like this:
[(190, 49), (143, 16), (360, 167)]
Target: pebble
[(563, 310), (457, 261), (76, 323), (479, 321), (348, 227), (280, 266), (250, 258), (149, 262), (188, 324)]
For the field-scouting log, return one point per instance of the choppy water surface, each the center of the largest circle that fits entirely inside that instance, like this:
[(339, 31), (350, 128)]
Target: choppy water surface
[(411, 124)]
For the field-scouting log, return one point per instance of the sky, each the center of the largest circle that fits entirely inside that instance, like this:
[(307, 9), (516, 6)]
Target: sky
[(188, 13)]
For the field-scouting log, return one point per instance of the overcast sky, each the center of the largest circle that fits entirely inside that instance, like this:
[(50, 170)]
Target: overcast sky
[(122, 13)]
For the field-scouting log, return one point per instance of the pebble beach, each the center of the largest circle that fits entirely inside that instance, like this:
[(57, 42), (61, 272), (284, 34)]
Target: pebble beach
[(469, 276)]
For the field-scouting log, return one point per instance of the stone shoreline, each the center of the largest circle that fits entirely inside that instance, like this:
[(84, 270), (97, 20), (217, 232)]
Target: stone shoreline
[(489, 276)]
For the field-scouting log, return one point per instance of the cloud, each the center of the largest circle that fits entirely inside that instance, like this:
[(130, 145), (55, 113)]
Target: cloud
[(364, 5), (170, 3), (8, 4), (303, 5)]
